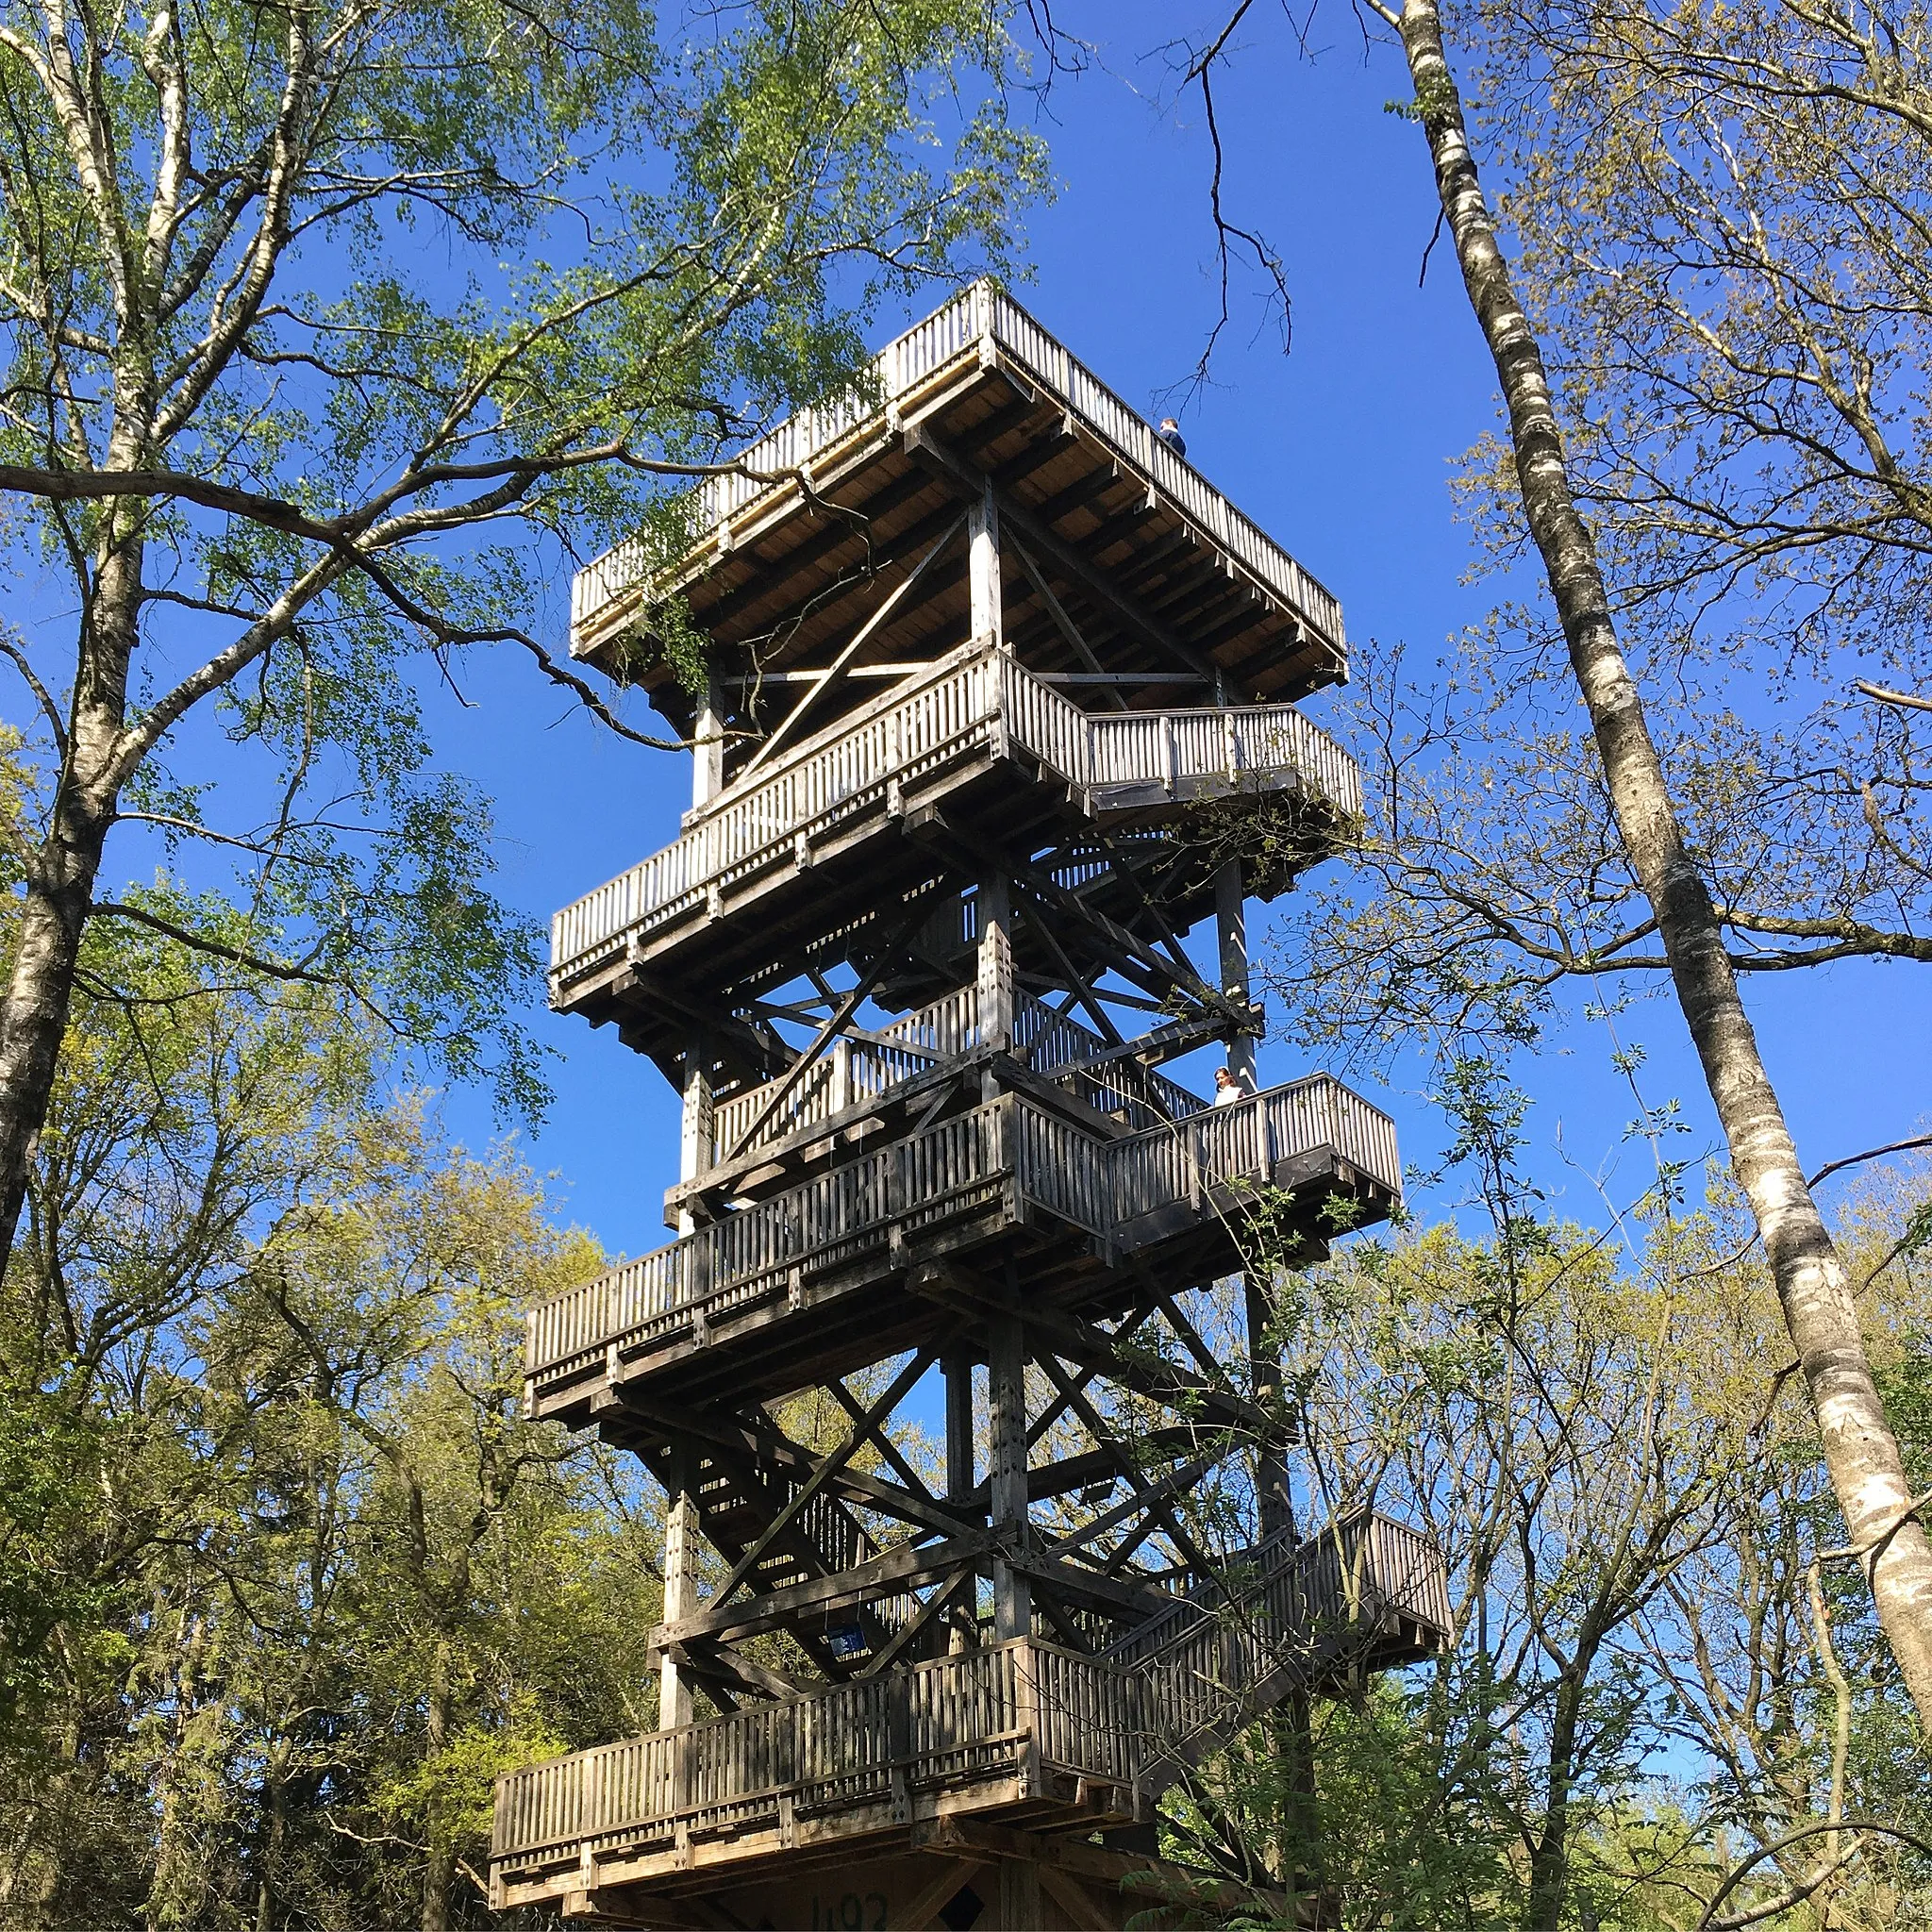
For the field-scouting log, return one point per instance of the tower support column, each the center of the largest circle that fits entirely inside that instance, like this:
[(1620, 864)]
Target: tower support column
[(1231, 925), (680, 1582), (983, 567), (708, 747), (956, 1367), (1012, 1594), (695, 1124), (995, 964)]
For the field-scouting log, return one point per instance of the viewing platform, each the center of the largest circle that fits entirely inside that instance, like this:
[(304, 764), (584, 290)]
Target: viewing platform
[(1154, 568), (821, 837), (1018, 1733), (813, 1278)]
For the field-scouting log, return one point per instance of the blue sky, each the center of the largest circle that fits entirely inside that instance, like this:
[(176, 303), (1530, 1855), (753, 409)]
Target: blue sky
[(1343, 450)]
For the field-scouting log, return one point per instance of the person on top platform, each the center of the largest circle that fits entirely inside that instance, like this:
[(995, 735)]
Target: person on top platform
[(1230, 1087)]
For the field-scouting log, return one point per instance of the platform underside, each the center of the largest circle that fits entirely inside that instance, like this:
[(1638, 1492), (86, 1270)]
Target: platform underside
[(987, 1857), (965, 1866), (1118, 533), (765, 886)]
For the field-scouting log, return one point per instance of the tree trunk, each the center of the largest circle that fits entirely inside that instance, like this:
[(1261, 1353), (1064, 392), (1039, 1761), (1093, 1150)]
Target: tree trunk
[(440, 1861), (61, 879), (1549, 1858), (1860, 1450)]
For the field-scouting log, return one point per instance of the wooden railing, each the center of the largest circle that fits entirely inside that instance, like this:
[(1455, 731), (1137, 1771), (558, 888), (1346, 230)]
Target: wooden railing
[(1176, 1163), (830, 1219), (982, 314), (954, 1167), (1361, 1566), (853, 1071), (1200, 1670), (975, 698)]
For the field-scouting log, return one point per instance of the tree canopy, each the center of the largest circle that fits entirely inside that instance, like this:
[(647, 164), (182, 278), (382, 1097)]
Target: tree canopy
[(333, 339)]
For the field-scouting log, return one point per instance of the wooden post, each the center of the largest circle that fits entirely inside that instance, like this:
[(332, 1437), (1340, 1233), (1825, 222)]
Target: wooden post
[(956, 1366), (1264, 1368), (694, 1129), (983, 568), (707, 749), (680, 1581), (995, 969), (1013, 1595), (1020, 1896), (1231, 919)]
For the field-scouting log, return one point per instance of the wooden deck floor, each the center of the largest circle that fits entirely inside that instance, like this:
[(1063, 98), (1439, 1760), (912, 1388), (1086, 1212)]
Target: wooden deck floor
[(1023, 1731)]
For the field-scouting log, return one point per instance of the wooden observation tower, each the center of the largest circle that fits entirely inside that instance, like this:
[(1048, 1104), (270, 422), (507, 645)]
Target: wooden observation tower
[(1001, 707)]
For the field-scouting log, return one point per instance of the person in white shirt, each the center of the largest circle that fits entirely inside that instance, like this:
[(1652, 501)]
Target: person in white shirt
[(1229, 1087)]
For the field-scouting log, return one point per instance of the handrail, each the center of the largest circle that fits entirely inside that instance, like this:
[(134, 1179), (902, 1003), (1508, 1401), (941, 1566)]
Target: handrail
[(854, 1071), (1119, 1716), (982, 314), (1097, 1184), (962, 704)]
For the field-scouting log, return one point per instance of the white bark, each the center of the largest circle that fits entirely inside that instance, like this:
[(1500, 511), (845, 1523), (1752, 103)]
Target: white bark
[(1860, 1450)]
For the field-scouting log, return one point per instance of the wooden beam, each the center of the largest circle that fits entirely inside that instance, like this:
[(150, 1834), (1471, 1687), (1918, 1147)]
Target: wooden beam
[(1078, 495), (785, 677), (847, 1005), (1071, 1897), (909, 1632), (923, 1909), (743, 1437), (750, 1677), (906, 1566), (1126, 679), (1097, 1427), (1159, 1878), (1123, 948), (1071, 631), (1142, 1495), (827, 1469), (1087, 1346), (836, 671), (813, 550), (1123, 608), (867, 1426)]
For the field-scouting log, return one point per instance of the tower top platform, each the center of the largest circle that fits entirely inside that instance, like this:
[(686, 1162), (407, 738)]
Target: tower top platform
[(1144, 558)]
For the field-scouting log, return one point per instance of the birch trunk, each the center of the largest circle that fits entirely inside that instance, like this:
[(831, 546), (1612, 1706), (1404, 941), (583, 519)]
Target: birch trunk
[(60, 876), (1860, 1450)]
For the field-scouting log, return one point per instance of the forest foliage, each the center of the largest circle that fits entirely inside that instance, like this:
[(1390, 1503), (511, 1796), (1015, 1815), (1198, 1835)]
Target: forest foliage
[(286, 1578)]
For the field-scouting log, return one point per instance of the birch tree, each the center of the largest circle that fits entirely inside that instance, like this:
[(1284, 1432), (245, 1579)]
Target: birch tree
[(1860, 1450), (1724, 215), (1888, 1536), (333, 335)]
